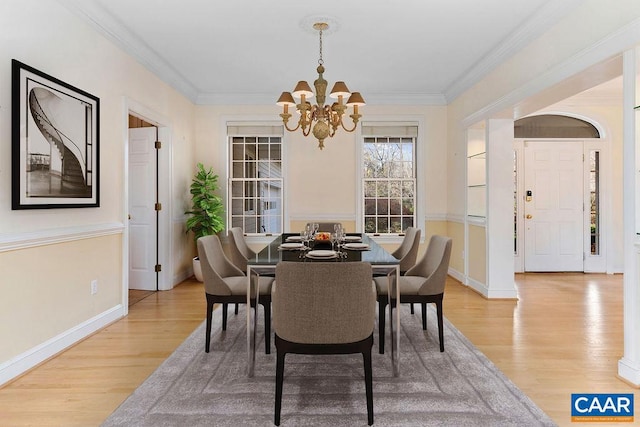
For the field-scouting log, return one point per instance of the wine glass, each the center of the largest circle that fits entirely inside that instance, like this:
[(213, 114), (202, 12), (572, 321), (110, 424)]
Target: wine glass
[(316, 227), (334, 240)]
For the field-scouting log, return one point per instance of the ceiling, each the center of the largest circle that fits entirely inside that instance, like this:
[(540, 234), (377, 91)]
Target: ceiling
[(249, 51)]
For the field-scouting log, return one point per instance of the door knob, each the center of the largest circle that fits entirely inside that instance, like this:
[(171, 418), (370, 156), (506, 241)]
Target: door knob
[(528, 216)]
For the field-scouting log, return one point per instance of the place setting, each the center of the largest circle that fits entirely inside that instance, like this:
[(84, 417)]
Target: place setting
[(292, 246)]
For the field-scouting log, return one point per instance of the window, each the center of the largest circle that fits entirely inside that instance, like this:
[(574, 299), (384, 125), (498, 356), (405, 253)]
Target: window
[(594, 197), (389, 178), (256, 183)]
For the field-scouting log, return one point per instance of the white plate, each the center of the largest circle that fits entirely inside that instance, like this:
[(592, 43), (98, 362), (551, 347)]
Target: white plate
[(352, 238), (291, 245), (357, 246), (294, 239), (322, 254)]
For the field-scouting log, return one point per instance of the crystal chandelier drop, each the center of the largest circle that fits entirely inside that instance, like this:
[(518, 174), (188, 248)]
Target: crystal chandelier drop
[(323, 120)]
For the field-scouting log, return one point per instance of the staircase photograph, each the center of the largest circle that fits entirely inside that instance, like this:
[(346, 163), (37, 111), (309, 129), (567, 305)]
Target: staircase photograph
[(57, 152)]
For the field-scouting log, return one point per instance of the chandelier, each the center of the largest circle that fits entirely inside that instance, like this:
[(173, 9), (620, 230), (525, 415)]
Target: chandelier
[(323, 120)]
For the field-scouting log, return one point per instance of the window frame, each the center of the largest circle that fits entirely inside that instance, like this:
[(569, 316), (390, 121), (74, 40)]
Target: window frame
[(250, 133), (419, 173)]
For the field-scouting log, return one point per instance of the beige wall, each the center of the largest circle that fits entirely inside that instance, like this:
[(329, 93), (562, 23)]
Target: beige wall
[(45, 289), (322, 184), (477, 254), (455, 230)]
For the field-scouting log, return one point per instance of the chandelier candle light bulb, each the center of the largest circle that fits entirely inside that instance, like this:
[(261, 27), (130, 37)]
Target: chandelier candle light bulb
[(320, 119)]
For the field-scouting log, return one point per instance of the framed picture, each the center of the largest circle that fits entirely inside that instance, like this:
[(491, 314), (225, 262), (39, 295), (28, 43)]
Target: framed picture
[(55, 142)]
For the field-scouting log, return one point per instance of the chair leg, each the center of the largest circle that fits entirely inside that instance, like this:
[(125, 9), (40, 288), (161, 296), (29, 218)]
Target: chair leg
[(424, 315), (267, 328), (411, 304), (279, 380), (368, 384), (382, 303), (207, 339), (224, 315), (236, 309), (440, 324)]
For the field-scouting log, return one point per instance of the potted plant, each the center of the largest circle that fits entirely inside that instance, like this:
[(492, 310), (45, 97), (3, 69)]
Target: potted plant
[(207, 210)]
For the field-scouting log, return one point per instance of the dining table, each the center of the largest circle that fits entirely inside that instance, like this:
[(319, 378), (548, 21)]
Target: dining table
[(355, 247)]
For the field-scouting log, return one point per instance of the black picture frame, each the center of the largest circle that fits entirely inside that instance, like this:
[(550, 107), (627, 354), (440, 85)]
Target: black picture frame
[(55, 152)]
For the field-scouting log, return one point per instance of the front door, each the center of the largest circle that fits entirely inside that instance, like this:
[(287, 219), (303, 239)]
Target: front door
[(143, 237), (553, 207)]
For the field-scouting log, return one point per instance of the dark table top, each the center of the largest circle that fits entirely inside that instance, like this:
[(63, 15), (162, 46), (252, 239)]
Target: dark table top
[(271, 254)]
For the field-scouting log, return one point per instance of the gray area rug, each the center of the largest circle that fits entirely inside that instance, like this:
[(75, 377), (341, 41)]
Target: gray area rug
[(459, 387)]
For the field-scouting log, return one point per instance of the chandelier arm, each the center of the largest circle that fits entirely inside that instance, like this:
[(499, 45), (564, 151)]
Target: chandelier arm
[(307, 129), (286, 126), (355, 123)]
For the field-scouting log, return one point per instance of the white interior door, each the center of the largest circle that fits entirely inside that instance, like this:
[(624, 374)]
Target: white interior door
[(142, 214), (553, 207)]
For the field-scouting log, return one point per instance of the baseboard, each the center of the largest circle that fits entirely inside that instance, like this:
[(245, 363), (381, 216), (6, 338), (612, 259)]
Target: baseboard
[(629, 372), (457, 275), (28, 360), (480, 288)]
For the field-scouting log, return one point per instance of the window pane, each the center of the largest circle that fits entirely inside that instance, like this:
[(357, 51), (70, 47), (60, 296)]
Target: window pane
[(382, 225), (369, 189), (395, 225), (369, 206), (383, 189), (382, 206)]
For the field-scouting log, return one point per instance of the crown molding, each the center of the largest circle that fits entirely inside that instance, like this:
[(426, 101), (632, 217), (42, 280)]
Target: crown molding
[(541, 21), (113, 30), (602, 50)]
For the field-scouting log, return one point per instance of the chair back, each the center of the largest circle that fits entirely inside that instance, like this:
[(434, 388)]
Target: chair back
[(215, 265), (325, 226), (407, 253), (434, 265), (323, 302), (239, 250)]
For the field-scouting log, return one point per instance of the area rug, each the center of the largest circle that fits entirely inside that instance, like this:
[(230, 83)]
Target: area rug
[(459, 387)]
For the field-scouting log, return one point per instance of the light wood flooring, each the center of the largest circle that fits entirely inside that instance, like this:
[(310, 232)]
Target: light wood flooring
[(563, 336)]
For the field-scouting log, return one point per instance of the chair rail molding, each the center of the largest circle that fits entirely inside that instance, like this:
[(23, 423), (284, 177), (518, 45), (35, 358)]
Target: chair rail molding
[(15, 241)]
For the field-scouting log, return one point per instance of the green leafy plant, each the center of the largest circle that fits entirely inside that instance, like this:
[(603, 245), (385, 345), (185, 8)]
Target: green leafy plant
[(207, 211)]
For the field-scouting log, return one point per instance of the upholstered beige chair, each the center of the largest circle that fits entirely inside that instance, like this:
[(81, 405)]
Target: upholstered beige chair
[(239, 250), (423, 283), (224, 283), (323, 308), (407, 252)]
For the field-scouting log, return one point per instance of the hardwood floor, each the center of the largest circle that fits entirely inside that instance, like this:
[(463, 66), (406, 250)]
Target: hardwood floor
[(563, 336)]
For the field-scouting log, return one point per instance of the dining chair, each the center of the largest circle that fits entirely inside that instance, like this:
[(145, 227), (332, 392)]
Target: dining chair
[(423, 283), (323, 308), (224, 283), (239, 249), (407, 252)]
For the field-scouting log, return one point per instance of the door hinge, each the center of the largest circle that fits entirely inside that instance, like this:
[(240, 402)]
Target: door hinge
[(158, 145), (158, 268), (158, 206)]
